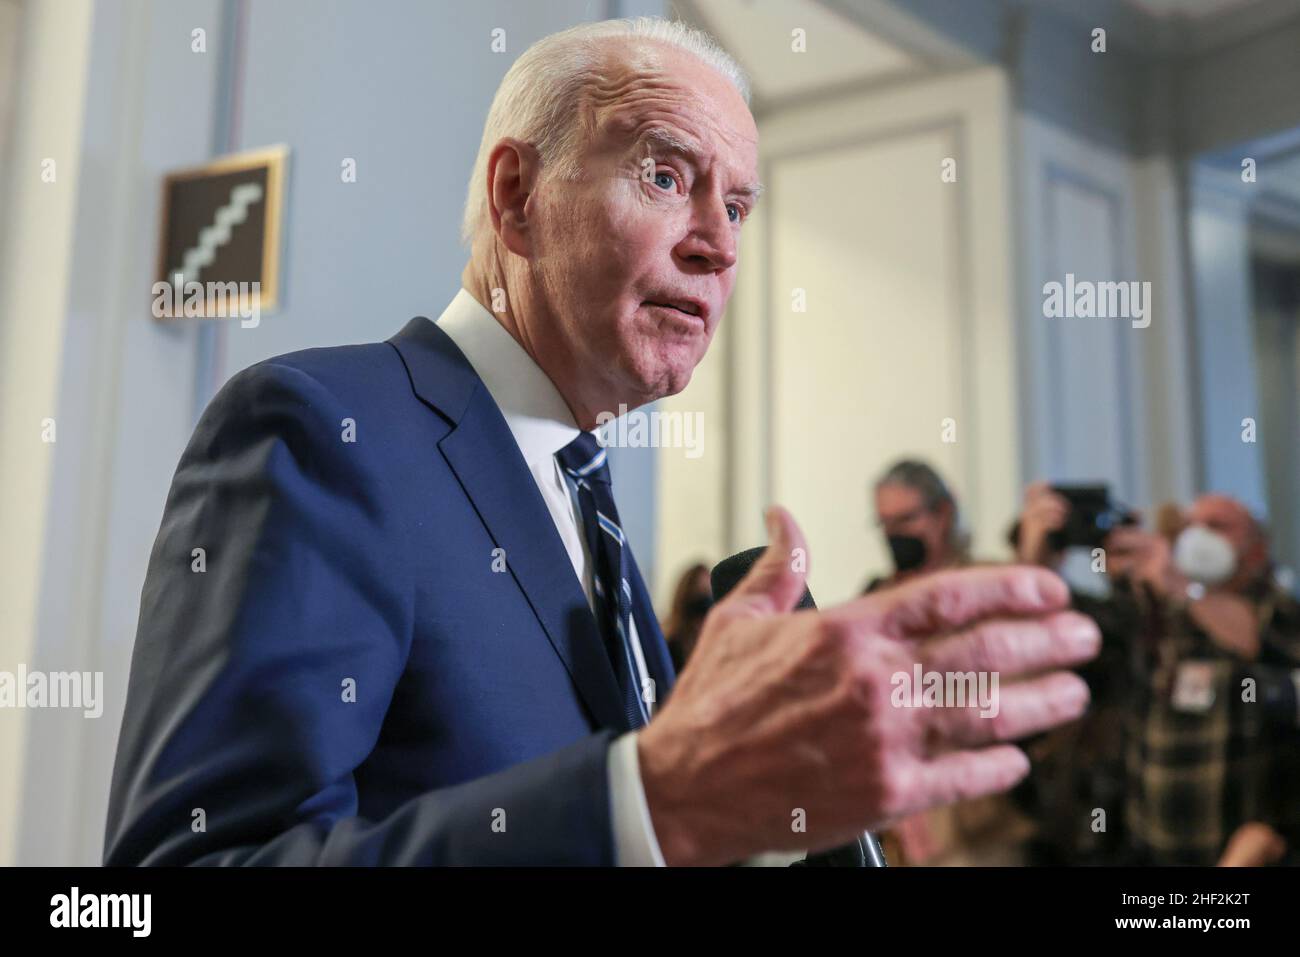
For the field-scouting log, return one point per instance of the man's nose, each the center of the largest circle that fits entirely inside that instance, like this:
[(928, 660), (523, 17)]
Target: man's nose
[(711, 243)]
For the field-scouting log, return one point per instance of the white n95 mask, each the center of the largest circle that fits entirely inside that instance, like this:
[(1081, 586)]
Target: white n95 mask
[(1204, 556)]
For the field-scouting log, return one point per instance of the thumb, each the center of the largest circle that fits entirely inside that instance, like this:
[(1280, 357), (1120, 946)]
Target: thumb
[(776, 582)]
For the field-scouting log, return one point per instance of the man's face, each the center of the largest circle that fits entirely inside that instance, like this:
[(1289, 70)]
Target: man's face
[(1126, 548), (1228, 517), (901, 510), (636, 260)]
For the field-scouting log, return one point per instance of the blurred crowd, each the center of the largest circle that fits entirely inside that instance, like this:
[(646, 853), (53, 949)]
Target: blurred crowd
[(1190, 751)]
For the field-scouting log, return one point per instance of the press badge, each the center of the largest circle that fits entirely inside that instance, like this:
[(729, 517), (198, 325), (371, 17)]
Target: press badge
[(1194, 687)]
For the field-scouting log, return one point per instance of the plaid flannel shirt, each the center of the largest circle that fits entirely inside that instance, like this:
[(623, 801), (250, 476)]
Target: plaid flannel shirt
[(1195, 774)]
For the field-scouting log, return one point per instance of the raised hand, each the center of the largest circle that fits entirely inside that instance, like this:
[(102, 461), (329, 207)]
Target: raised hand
[(800, 730)]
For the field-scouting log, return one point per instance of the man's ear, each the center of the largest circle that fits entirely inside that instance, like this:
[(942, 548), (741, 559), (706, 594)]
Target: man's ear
[(513, 171)]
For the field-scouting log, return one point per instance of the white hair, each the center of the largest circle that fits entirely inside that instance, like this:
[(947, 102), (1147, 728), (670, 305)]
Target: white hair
[(539, 99)]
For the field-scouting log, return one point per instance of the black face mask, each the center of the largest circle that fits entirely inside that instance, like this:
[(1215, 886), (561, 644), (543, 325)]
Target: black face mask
[(908, 552), (697, 606)]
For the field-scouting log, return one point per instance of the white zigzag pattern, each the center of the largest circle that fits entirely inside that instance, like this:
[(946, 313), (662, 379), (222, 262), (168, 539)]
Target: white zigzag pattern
[(212, 238)]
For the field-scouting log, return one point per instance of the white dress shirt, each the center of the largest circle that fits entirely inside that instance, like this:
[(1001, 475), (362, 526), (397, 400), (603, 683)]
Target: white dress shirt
[(542, 424)]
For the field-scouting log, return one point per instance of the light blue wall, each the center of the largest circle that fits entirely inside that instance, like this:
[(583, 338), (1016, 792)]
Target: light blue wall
[(403, 88)]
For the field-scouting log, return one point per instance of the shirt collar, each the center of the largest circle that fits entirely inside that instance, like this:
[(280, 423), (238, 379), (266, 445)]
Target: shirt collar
[(533, 408)]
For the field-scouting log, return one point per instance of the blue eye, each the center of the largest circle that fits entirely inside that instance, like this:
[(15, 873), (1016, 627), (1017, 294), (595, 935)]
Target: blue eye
[(733, 208), (665, 180)]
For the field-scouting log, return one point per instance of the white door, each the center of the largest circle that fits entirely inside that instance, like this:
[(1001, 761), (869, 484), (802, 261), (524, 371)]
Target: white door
[(872, 320)]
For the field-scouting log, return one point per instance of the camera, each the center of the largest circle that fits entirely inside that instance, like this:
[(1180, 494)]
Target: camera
[(1093, 516)]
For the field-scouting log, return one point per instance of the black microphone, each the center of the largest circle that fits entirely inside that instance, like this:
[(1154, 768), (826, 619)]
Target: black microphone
[(865, 851)]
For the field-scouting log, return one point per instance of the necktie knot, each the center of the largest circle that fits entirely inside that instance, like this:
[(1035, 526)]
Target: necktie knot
[(584, 459)]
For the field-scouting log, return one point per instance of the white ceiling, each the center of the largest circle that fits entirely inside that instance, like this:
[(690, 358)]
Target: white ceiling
[(1188, 8), (758, 34)]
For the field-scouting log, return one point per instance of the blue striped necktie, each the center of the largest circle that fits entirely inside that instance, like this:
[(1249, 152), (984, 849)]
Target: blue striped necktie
[(584, 461)]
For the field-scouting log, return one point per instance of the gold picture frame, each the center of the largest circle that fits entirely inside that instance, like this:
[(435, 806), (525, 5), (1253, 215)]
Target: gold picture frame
[(275, 160)]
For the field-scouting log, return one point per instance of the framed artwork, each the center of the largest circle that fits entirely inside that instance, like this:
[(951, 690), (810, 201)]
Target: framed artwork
[(219, 240)]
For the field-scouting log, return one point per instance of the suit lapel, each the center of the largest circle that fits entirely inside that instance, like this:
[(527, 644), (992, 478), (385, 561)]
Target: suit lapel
[(490, 468)]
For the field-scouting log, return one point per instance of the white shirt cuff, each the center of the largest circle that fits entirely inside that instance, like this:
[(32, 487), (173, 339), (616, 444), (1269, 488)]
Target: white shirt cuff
[(635, 844)]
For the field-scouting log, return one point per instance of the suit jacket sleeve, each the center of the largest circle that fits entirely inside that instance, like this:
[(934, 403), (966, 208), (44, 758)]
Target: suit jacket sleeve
[(239, 744)]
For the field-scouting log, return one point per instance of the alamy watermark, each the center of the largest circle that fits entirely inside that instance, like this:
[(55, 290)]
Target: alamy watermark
[(946, 689), (1084, 299), (53, 689), (210, 300), (658, 430), (132, 912)]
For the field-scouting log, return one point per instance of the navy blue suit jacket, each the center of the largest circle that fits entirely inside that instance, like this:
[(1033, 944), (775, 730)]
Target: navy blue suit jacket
[(484, 703)]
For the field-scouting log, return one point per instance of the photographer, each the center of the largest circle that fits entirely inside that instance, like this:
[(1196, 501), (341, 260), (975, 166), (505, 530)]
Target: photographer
[(1076, 792), (921, 521), (1202, 645)]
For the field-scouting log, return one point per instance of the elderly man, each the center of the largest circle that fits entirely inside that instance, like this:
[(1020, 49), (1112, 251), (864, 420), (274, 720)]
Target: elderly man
[(1197, 702), (1213, 750), (419, 636)]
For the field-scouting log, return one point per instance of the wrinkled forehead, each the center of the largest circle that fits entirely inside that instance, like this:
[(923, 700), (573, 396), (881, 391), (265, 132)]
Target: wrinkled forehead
[(895, 497), (1220, 512), (650, 92)]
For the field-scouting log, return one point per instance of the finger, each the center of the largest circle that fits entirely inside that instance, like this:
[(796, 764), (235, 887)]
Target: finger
[(962, 775), (947, 601), (775, 583), (1015, 647), (1037, 490), (1012, 710), (1056, 514)]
